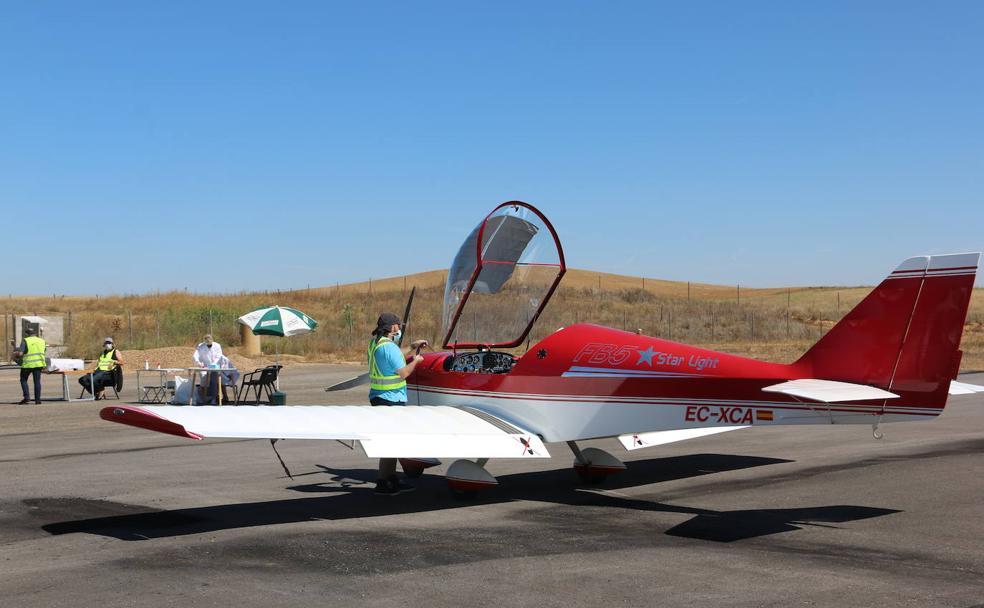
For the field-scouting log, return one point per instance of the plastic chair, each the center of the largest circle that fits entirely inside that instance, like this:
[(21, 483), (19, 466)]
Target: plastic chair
[(259, 380)]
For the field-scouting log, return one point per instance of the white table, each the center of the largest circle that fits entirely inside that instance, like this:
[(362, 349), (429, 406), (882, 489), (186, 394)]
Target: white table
[(66, 393)]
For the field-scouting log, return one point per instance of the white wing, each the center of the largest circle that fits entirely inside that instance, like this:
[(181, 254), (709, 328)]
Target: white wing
[(962, 388), (829, 391), (644, 440), (384, 432)]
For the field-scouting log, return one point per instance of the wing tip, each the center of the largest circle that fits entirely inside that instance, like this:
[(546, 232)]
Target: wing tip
[(141, 418)]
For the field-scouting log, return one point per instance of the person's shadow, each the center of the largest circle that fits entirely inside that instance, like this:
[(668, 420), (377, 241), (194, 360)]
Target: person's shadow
[(348, 493)]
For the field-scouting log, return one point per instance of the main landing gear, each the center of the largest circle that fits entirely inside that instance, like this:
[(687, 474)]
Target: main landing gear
[(593, 465), (466, 477)]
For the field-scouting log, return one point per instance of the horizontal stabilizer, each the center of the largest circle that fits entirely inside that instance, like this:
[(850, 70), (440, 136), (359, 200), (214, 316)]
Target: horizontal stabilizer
[(829, 391), (962, 388), (645, 440), (398, 431)]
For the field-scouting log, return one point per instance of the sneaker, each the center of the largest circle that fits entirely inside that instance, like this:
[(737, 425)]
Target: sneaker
[(384, 488), (400, 486)]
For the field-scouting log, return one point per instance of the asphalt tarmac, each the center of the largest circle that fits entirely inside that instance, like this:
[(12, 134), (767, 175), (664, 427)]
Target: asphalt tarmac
[(98, 514)]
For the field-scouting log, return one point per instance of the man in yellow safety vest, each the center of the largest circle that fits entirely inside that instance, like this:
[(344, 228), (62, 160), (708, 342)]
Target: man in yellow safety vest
[(31, 353), (388, 371)]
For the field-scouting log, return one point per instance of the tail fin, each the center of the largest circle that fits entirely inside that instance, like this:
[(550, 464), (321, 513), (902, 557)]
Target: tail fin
[(905, 335)]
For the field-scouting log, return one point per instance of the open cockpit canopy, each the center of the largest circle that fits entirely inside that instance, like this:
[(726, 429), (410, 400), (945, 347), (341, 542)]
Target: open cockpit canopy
[(502, 278)]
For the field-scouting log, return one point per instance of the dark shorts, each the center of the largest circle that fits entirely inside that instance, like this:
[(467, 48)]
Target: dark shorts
[(381, 401)]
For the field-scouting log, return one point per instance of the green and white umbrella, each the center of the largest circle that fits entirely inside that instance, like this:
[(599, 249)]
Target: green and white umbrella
[(278, 321)]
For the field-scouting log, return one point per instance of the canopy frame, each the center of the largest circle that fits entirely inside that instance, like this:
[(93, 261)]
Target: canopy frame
[(481, 263)]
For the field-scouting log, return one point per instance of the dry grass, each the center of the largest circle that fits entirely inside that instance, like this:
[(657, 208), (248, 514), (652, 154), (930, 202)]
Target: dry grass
[(775, 324)]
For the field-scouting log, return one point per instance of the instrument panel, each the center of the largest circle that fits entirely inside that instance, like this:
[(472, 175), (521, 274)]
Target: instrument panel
[(482, 362)]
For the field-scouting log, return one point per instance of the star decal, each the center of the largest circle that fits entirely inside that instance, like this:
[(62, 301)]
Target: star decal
[(646, 356)]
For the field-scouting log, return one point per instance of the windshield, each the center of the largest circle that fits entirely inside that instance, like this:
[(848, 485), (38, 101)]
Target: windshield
[(495, 291)]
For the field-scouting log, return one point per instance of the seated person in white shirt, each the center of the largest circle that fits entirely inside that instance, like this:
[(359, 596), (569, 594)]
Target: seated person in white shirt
[(208, 353), (230, 378)]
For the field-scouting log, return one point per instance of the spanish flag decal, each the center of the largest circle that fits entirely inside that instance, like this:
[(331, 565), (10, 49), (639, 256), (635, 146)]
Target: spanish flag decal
[(763, 415)]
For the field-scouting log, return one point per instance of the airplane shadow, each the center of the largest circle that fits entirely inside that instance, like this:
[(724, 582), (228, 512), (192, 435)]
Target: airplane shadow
[(350, 495)]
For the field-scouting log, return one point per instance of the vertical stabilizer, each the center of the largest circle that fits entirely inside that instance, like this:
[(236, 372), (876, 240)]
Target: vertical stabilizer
[(905, 335)]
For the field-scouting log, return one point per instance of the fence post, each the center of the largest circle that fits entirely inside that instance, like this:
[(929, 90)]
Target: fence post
[(209, 320), (129, 327), (157, 320), (739, 293)]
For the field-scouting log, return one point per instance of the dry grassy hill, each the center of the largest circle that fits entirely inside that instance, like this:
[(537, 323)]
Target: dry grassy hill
[(769, 323)]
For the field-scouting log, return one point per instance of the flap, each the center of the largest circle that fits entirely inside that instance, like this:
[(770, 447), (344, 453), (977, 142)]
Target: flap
[(962, 388), (644, 440), (829, 391), (407, 431)]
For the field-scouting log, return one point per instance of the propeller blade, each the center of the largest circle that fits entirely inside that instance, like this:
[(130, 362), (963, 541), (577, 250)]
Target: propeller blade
[(406, 315), (350, 383)]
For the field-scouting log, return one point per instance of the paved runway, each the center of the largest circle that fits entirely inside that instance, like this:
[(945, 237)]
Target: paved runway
[(96, 514)]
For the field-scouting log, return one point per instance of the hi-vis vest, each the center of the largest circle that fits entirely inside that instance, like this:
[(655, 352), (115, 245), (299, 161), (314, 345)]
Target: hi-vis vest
[(34, 357), (377, 381), (106, 362)]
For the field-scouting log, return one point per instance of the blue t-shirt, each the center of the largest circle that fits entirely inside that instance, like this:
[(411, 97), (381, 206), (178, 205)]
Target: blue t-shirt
[(389, 359)]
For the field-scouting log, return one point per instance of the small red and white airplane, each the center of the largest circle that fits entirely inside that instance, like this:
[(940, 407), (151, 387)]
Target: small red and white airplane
[(893, 358)]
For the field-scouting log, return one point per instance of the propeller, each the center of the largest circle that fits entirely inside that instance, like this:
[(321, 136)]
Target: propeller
[(364, 378)]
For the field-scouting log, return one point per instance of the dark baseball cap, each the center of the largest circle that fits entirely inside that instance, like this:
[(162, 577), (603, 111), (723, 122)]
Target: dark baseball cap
[(387, 319)]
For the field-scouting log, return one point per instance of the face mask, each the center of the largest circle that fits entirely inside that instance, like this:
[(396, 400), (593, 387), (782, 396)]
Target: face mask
[(108, 346), (396, 337), (208, 345)]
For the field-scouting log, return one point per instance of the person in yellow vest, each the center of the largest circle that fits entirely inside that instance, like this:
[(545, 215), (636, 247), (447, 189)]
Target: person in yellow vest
[(105, 374), (31, 354), (388, 371)]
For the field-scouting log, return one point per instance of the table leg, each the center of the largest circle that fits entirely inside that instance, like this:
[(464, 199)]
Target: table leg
[(194, 381), (65, 394)]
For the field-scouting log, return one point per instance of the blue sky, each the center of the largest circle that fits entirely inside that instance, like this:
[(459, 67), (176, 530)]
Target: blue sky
[(222, 146)]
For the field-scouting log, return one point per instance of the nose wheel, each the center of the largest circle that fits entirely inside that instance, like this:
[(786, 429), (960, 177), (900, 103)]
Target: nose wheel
[(414, 467), (593, 465)]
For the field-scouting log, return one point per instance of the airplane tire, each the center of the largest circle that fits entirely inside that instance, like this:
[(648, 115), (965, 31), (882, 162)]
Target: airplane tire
[(588, 476), (464, 495)]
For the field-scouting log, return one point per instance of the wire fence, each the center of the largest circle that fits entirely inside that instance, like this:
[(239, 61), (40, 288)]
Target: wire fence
[(347, 314)]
